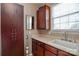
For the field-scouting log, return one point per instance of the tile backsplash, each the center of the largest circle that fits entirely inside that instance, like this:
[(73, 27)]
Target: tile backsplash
[(57, 35)]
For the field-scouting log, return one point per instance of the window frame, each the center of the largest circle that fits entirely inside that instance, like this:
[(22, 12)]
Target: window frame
[(70, 30)]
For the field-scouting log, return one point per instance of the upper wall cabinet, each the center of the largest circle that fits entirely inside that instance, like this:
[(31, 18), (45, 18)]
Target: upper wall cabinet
[(43, 18)]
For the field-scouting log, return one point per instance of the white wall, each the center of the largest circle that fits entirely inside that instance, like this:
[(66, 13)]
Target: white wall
[(0, 28), (29, 9)]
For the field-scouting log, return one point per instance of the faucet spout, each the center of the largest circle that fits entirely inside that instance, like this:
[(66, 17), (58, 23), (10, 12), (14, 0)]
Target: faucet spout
[(65, 36)]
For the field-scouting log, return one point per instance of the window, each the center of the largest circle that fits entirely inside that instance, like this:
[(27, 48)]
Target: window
[(65, 16)]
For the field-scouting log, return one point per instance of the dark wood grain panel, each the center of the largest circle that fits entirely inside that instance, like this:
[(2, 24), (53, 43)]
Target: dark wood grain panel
[(41, 49), (51, 49), (63, 53), (42, 22), (12, 29), (34, 47), (48, 53)]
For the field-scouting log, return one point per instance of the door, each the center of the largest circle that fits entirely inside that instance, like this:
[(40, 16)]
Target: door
[(6, 17), (19, 30), (12, 29)]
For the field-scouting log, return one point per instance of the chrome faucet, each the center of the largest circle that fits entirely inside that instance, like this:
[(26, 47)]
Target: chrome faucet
[(65, 36)]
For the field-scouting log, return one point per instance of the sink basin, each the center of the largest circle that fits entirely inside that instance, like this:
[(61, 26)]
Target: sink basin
[(66, 44)]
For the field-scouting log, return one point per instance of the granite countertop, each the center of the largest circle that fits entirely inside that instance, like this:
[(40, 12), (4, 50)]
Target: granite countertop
[(42, 39), (48, 40)]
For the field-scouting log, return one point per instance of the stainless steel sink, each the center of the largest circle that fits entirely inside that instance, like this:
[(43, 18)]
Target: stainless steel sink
[(66, 44)]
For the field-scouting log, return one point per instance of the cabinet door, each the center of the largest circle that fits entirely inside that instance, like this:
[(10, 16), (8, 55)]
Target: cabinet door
[(41, 22), (40, 51), (51, 49), (19, 30), (37, 49), (12, 29), (48, 53), (43, 18), (34, 47), (6, 17), (62, 53)]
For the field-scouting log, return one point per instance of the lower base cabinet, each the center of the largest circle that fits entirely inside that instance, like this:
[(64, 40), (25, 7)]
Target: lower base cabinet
[(48, 53), (37, 48), (34, 47), (63, 53), (42, 49)]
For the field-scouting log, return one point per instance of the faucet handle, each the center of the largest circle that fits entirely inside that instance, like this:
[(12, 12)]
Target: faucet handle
[(70, 40), (74, 41)]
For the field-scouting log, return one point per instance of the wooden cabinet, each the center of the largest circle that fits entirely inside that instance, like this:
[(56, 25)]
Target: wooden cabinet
[(43, 18), (34, 47), (42, 49), (12, 32), (51, 49), (49, 53), (63, 53), (37, 48)]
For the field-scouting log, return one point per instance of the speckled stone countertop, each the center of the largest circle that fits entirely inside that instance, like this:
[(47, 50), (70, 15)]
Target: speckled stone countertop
[(48, 40)]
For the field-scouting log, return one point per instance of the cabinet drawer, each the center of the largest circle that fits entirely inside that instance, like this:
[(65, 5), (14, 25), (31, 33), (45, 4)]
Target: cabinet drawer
[(62, 53), (51, 49)]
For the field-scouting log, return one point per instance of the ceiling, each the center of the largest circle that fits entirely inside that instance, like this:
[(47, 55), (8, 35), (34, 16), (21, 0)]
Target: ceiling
[(41, 4)]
